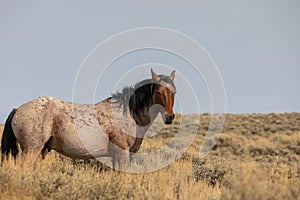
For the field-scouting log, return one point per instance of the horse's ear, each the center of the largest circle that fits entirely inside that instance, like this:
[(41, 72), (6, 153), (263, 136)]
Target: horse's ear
[(172, 76), (155, 77)]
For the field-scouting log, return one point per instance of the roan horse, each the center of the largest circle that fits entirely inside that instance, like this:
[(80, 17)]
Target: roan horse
[(114, 127)]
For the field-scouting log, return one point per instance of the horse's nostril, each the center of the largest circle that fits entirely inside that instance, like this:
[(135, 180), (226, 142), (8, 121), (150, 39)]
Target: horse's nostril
[(169, 118), (168, 121)]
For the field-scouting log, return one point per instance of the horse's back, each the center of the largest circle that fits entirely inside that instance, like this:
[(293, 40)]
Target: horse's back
[(34, 111)]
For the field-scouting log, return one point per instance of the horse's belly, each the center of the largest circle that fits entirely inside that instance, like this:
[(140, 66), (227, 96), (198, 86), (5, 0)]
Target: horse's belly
[(81, 145), (78, 153)]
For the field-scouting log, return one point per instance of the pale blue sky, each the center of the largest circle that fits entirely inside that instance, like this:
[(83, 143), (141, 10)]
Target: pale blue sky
[(256, 45)]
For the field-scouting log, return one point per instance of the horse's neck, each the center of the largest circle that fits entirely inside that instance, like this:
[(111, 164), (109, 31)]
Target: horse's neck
[(143, 123), (144, 120)]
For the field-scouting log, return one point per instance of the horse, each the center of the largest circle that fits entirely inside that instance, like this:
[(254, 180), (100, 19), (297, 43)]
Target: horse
[(114, 127)]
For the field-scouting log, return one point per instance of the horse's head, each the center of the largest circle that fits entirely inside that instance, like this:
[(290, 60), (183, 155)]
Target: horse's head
[(164, 95)]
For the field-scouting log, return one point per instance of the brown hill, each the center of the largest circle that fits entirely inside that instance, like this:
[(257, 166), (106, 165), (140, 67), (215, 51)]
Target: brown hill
[(257, 156)]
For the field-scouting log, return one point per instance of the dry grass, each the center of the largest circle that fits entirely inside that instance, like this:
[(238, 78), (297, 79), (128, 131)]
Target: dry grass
[(256, 157), (1, 129)]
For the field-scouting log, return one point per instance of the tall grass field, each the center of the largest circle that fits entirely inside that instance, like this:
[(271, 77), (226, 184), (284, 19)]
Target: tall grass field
[(257, 156)]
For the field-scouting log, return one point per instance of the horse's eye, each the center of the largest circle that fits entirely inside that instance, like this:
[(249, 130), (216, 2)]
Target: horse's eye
[(158, 93)]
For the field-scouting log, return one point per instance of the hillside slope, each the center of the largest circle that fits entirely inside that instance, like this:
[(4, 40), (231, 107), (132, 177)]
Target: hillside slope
[(257, 156)]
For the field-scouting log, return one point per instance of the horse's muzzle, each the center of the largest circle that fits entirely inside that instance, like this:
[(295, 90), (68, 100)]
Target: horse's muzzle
[(169, 118)]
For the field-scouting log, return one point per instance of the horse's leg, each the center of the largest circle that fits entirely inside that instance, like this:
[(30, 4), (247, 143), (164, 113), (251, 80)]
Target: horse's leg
[(33, 143), (120, 159), (29, 156), (47, 148)]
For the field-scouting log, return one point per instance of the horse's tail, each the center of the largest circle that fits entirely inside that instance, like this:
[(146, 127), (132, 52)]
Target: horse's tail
[(9, 142)]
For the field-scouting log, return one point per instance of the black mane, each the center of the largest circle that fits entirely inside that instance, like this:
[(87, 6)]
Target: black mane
[(139, 96)]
